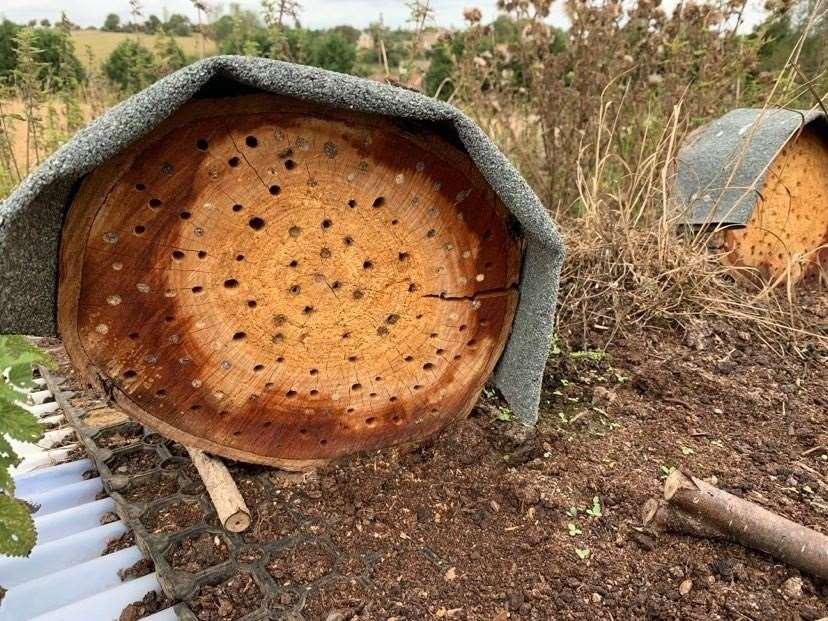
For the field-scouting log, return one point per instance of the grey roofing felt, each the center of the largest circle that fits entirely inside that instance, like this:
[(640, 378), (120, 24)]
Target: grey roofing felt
[(31, 218), (721, 168)]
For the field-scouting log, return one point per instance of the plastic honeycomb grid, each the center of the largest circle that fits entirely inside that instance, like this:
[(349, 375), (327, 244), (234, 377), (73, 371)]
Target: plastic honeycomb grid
[(245, 554)]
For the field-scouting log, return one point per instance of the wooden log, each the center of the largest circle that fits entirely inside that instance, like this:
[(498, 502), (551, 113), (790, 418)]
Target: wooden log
[(283, 283), (232, 511), (693, 507)]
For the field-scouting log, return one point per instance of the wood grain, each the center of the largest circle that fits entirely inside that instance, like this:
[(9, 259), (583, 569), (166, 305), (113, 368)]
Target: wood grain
[(786, 238), (284, 283)]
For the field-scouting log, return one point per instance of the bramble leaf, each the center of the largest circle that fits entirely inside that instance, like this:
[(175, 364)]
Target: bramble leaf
[(17, 532)]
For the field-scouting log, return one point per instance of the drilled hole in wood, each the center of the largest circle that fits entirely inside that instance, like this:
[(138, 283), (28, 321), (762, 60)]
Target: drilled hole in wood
[(239, 257), (352, 203), (140, 187), (234, 161), (201, 144), (130, 374), (178, 255), (294, 231), (256, 223), (197, 289), (252, 303), (231, 283), (252, 142), (290, 164), (202, 254), (139, 229), (239, 336), (326, 223), (379, 201), (237, 207), (275, 190), (155, 203), (325, 253)]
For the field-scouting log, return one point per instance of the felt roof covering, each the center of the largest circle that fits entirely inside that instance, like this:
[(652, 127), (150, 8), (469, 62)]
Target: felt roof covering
[(721, 167), (31, 218)]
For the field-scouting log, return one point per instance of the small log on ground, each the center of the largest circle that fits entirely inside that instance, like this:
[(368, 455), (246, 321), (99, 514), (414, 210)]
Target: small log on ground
[(230, 506), (692, 507)]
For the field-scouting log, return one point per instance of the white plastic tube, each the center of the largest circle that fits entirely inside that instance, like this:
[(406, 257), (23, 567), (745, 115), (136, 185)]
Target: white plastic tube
[(39, 396), (106, 605), (35, 458), (65, 497), (69, 522), (54, 437), (45, 479), (58, 555), (62, 588)]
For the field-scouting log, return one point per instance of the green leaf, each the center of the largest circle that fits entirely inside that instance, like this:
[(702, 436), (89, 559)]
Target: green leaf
[(583, 553), (17, 532), (17, 354), (573, 529), (595, 510), (17, 422), (7, 455)]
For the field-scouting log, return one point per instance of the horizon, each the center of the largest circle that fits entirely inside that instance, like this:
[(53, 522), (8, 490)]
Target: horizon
[(315, 14)]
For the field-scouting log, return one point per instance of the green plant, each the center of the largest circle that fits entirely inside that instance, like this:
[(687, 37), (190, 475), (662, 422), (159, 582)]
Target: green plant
[(573, 529), (131, 66), (595, 510), (17, 533)]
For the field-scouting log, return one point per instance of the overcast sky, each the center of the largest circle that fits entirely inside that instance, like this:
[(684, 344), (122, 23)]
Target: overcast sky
[(315, 13)]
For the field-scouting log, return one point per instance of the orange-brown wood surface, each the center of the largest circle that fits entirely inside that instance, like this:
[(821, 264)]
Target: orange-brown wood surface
[(282, 283), (786, 237)]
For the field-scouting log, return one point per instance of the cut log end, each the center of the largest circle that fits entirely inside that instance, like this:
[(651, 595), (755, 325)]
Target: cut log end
[(279, 282), (786, 235)]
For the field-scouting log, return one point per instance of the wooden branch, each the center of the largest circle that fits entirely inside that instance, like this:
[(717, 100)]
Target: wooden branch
[(693, 507), (230, 506)]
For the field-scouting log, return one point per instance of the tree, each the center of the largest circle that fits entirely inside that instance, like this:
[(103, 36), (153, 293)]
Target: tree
[(131, 66), (333, 51), (152, 25), (179, 25), (8, 56), (112, 23), (61, 68)]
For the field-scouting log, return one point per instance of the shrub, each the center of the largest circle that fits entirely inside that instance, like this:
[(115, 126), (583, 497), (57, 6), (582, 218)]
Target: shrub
[(333, 51), (131, 66)]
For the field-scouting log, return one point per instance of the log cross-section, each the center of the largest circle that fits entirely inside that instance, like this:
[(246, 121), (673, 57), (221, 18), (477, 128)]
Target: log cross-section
[(284, 283)]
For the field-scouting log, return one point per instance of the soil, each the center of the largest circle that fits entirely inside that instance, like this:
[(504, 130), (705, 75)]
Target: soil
[(134, 462), (118, 438), (150, 489), (127, 540), (301, 564), (199, 552), (487, 520), (231, 599), (151, 603), (172, 518), (144, 567)]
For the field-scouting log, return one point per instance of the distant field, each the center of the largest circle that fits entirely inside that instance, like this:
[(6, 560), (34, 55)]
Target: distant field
[(102, 44)]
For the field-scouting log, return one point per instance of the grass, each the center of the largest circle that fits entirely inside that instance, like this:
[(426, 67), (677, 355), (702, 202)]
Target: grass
[(103, 43)]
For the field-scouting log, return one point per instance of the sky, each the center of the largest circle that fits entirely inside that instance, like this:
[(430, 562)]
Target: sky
[(315, 13)]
